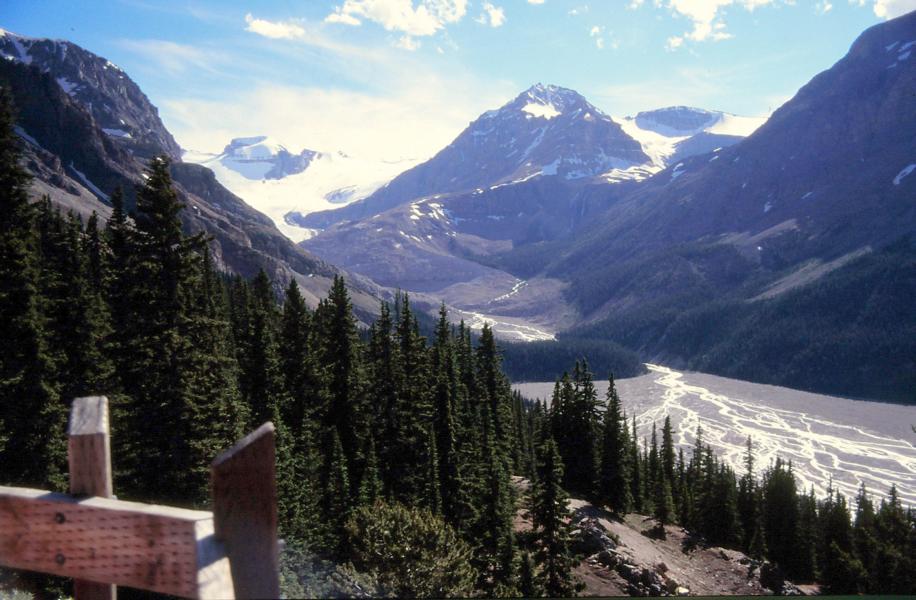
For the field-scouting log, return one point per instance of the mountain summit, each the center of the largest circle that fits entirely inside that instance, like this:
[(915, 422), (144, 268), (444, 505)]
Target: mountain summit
[(115, 102), (546, 131), (261, 157)]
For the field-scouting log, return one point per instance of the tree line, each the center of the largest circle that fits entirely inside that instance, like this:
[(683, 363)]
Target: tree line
[(868, 548)]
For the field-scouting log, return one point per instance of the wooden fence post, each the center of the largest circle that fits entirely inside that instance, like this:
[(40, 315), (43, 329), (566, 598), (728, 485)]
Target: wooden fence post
[(90, 471), (244, 493)]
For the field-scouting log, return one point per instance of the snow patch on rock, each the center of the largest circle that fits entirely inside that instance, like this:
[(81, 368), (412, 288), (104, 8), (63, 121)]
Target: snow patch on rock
[(903, 173)]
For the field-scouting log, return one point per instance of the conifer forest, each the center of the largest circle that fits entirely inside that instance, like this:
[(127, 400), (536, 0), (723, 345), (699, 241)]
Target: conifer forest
[(404, 458)]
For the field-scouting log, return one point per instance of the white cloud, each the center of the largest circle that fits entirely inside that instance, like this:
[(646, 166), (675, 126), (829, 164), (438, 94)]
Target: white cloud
[(706, 17), (578, 10), (535, 1), (389, 104), (343, 19), (407, 42), (278, 30), (423, 19), (888, 9), (597, 34), (823, 7), (494, 16)]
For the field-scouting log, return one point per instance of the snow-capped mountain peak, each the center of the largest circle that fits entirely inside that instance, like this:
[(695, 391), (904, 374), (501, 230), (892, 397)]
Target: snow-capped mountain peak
[(117, 104), (261, 157), (259, 147), (685, 121), (285, 185), (668, 135)]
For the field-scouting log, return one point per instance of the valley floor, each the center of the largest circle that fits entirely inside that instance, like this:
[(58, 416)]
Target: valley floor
[(851, 441)]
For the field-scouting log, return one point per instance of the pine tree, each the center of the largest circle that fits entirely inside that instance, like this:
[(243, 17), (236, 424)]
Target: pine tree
[(413, 412), (780, 515), (550, 520), (527, 579), (667, 452), (663, 503), (370, 488), (637, 485), (614, 482), (76, 321), (32, 444), (866, 544), (748, 508), (383, 367), (261, 381), (337, 504), (805, 568), (305, 398), (653, 469), (339, 354), (170, 379), (495, 393), (583, 447), (451, 491), (495, 510)]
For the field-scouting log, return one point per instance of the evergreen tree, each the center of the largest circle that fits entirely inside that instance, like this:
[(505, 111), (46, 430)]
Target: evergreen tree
[(413, 413), (748, 506), (550, 519), (495, 393), (167, 376), (262, 384), (495, 555), (807, 537), (842, 572), (451, 491), (654, 474), (663, 503), (614, 483), (667, 452), (338, 503), (32, 443), (780, 516), (527, 579), (339, 354), (584, 447), (383, 366), (303, 391), (637, 484), (866, 544), (370, 488)]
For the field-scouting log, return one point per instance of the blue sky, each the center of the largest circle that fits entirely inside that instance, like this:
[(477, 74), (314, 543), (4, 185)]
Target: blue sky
[(401, 78)]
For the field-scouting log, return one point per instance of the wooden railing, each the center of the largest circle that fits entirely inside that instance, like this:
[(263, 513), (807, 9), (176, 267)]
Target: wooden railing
[(102, 542)]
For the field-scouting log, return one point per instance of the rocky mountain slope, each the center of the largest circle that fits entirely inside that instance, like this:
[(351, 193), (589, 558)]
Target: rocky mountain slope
[(781, 258), (545, 131), (626, 557), (116, 103), (62, 91), (483, 196), (784, 251)]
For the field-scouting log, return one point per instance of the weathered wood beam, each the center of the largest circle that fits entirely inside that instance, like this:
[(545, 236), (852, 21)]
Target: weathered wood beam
[(90, 471), (244, 494), (157, 548)]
